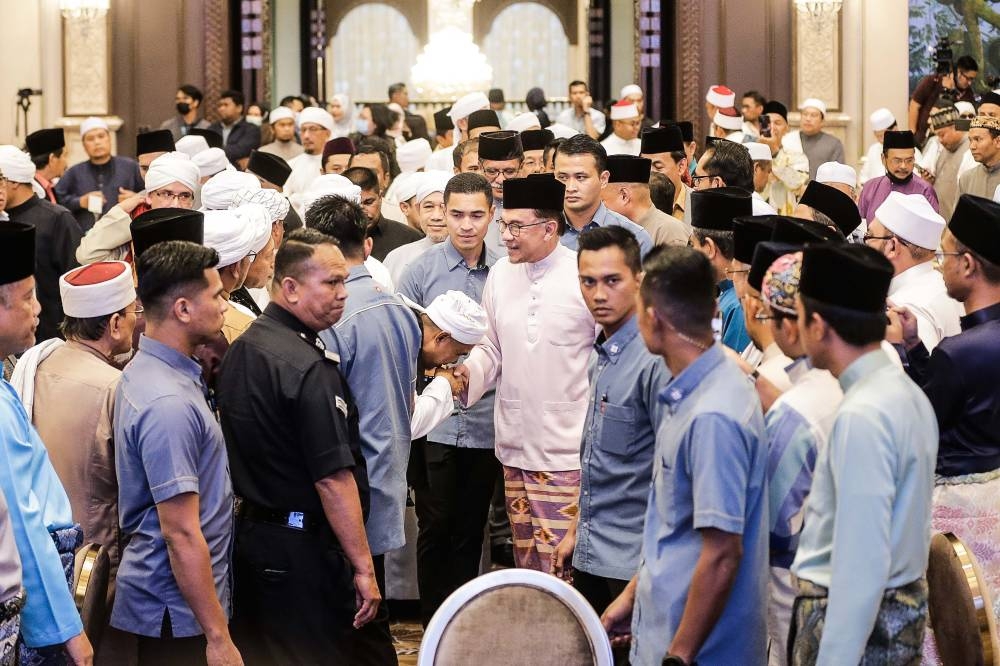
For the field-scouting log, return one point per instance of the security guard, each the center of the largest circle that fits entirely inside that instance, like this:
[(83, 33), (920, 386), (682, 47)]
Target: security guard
[(291, 426)]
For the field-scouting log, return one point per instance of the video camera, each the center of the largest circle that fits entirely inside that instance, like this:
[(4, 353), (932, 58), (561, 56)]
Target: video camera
[(944, 57)]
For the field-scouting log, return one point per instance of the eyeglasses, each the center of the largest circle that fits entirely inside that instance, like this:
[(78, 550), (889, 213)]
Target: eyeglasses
[(138, 310), (734, 271), (869, 237), (492, 172), (697, 179), (515, 228), (167, 195), (252, 256), (941, 254)]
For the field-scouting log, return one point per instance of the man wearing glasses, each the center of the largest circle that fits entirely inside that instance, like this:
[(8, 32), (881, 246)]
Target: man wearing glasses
[(171, 182), (899, 158), (932, 86), (501, 156)]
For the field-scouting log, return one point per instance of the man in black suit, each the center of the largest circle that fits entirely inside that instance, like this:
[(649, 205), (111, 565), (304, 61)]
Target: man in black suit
[(418, 126), (239, 137)]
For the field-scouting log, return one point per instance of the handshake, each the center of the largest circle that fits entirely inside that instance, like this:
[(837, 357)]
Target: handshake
[(457, 376)]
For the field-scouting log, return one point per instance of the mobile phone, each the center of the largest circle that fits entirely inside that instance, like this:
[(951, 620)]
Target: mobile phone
[(765, 125)]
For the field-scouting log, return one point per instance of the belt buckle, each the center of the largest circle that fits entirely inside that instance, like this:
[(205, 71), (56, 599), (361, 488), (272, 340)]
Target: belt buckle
[(297, 519)]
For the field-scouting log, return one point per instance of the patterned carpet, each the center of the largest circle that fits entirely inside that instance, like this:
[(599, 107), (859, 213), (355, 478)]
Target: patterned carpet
[(407, 636)]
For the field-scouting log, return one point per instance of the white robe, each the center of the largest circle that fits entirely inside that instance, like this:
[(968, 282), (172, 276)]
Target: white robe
[(921, 290)]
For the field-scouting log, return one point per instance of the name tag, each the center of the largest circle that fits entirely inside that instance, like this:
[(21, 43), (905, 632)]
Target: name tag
[(342, 406)]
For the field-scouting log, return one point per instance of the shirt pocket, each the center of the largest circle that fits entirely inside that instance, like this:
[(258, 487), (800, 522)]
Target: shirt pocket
[(617, 429), (563, 421), (510, 421), (568, 326)]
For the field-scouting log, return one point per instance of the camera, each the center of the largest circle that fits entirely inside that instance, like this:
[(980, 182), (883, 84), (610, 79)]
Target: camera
[(944, 57)]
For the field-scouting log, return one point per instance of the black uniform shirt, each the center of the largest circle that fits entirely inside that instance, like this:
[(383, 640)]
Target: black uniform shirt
[(387, 235), (287, 415)]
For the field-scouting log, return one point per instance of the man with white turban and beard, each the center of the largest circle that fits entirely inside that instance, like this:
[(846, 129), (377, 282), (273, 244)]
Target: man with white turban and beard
[(253, 295), (218, 191), (172, 181)]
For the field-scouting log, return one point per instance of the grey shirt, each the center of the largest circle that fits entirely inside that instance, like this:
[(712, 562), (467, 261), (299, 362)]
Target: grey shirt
[(820, 148), (168, 443), (946, 171), (981, 181)]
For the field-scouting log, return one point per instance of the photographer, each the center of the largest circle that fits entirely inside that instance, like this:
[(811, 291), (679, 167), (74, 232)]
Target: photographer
[(952, 82)]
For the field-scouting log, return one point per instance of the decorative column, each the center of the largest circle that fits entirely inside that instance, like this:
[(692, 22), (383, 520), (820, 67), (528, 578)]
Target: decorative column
[(818, 61)]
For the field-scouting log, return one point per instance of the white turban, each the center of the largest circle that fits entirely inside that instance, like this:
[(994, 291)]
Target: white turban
[(280, 113), (433, 181), (524, 121), (92, 123), (413, 155), (630, 89), (97, 289), (466, 104), (330, 184), (813, 103), (274, 201), (405, 185), (561, 131), (217, 193), (459, 316), (172, 167), (191, 144), (211, 161), (16, 165), (835, 172), (965, 107), (912, 218), (236, 233), (314, 114)]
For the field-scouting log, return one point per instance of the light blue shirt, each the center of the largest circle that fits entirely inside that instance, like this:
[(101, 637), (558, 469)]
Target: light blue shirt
[(868, 518), (616, 457), (37, 503), (438, 270), (734, 329), (604, 217), (378, 339), (167, 443), (709, 472)]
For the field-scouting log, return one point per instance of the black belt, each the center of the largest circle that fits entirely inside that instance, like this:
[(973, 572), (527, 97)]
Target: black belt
[(295, 520)]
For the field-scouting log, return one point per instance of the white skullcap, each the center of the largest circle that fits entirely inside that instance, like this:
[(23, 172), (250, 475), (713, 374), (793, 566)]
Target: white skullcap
[(16, 165), (191, 144), (881, 119), (759, 206), (280, 113), (813, 103), (624, 111), (233, 233), (912, 218), (413, 155), (218, 192), (630, 89), (561, 131), (466, 104), (835, 172), (330, 184), (726, 121), (172, 167), (258, 217), (314, 114), (965, 107), (274, 201), (406, 184), (459, 316), (211, 161), (433, 181), (92, 123), (720, 96), (524, 121), (759, 151), (97, 290)]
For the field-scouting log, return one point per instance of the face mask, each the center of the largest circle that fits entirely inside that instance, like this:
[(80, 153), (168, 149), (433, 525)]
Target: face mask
[(362, 125), (183, 108), (255, 120)]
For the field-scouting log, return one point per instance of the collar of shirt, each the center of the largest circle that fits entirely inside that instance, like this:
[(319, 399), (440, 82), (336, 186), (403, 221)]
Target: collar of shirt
[(724, 286), (910, 277), (287, 319), (680, 196), (612, 347), (991, 170), (981, 316), (863, 366), (541, 267), (686, 382), (172, 357), (456, 260), (30, 203), (358, 272), (378, 228), (798, 369)]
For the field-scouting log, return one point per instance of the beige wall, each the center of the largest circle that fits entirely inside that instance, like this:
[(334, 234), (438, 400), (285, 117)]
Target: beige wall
[(31, 53)]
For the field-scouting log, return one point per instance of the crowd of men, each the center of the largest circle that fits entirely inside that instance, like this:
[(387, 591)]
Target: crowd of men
[(725, 389)]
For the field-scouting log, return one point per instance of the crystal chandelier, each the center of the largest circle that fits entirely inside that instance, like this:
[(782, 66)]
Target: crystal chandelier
[(450, 66), (87, 10)]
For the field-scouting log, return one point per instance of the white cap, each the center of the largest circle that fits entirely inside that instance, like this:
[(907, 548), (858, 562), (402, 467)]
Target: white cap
[(173, 167), (234, 233), (720, 96), (524, 121), (413, 155), (191, 144), (16, 165), (728, 118), (813, 103), (433, 181), (630, 89), (965, 107), (405, 185), (274, 201), (211, 161), (258, 217), (624, 111), (330, 184), (218, 191), (466, 104), (92, 123), (96, 290), (836, 172), (561, 131), (280, 113), (881, 119), (314, 114), (759, 151), (912, 218), (458, 315)]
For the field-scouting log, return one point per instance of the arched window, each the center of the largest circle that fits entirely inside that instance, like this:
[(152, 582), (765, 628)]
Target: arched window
[(373, 47), (527, 47)]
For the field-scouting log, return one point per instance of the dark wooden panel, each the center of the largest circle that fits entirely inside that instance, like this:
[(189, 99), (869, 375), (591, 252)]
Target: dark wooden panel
[(485, 11)]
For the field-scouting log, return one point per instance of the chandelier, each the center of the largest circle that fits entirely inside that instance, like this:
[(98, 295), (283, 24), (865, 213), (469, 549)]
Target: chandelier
[(450, 66), (87, 10)]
